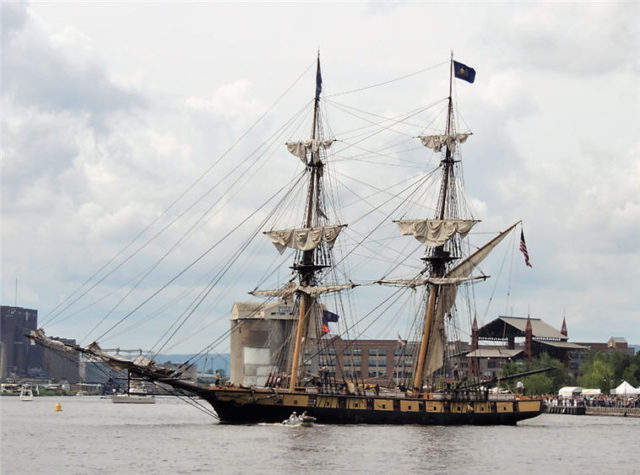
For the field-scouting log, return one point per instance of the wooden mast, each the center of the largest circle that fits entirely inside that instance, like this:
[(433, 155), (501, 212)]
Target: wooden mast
[(439, 257), (307, 269)]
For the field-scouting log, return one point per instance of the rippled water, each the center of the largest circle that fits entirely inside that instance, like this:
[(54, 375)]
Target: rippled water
[(93, 435)]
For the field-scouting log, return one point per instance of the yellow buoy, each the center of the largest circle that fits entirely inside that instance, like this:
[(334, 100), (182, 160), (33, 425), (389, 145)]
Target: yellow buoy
[(58, 407)]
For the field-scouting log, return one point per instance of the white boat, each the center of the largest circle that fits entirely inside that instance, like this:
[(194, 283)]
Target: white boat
[(26, 393), (136, 394), (133, 399)]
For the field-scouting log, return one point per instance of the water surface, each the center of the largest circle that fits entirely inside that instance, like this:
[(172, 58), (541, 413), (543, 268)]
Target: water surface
[(93, 435)]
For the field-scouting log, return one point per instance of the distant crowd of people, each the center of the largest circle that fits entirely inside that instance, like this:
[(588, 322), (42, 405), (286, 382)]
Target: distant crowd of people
[(600, 400)]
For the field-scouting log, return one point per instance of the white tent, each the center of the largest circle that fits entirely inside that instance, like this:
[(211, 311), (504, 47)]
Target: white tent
[(625, 389), (591, 392), (569, 391)]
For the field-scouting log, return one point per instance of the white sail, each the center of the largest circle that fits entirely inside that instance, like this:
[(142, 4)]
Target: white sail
[(436, 142), (447, 297), (301, 148), (435, 232), (304, 239), (311, 290), (467, 265)]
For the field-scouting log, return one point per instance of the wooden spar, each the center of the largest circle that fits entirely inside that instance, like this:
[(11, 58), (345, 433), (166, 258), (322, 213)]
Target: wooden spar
[(447, 160), (296, 352), (424, 343), (306, 272)]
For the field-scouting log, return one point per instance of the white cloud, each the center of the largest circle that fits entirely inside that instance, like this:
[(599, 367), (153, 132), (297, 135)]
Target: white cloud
[(104, 126)]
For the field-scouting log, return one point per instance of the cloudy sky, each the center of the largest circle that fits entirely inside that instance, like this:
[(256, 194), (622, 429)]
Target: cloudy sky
[(111, 111)]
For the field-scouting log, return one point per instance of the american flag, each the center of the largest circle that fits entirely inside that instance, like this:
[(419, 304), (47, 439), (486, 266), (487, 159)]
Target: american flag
[(523, 249), (401, 342)]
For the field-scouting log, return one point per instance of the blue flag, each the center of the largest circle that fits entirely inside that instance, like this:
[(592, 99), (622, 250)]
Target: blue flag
[(318, 81), (328, 316), (462, 71)]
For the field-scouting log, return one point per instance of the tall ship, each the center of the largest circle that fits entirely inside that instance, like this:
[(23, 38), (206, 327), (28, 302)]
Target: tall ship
[(430, 388)]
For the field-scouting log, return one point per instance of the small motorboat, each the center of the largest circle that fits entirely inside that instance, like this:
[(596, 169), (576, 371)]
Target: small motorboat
[(26, 393), (303, 420)]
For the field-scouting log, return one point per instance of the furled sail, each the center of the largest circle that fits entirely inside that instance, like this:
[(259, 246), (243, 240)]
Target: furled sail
[(435, 232), (304, 239), (420, 281), (436, 142), (301, 148), (311, 290)]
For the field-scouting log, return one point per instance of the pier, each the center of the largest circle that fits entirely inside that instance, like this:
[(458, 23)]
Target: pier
[(613, 411), (594, 411)]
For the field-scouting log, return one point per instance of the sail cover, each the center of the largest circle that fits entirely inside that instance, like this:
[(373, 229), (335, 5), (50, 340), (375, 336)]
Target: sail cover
[(436, 142), (435, 232), (304, 239), (300, 149)]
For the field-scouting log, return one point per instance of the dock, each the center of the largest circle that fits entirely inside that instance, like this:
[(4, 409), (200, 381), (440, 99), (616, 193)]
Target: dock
[(594, 411), (613, 411), (572, 410)]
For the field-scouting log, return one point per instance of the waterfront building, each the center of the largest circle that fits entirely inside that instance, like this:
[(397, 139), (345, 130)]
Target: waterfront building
[(61, 366), (535, 337), (259, 340), (613, 345), (19, 358)]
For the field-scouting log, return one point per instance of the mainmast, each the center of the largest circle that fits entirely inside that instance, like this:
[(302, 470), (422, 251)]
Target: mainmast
[(439, 257)]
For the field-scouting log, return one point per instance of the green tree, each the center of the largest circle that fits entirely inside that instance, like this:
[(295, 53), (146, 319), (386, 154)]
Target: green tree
[(538, 384), (598, 372), (541, 383), (631, 373)]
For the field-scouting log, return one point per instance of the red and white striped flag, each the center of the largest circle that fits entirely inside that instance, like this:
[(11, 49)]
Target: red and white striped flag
[(523, 249)]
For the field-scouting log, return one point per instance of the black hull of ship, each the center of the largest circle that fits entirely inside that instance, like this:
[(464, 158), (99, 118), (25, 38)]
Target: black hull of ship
[(254, 413), (242, 411)]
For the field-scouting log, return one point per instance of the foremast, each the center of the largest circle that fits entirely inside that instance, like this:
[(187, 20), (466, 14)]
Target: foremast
[(307, 268), (313, 242)]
